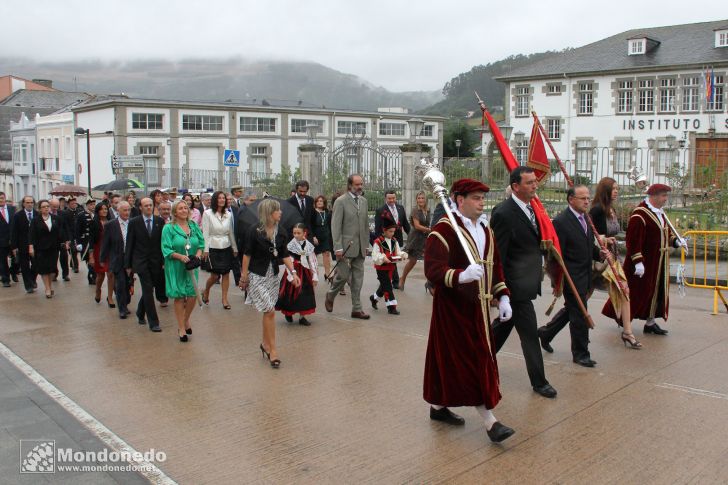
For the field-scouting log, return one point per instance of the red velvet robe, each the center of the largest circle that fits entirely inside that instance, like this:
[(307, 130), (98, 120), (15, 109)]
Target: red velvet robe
[(460, 367), (648, 243)]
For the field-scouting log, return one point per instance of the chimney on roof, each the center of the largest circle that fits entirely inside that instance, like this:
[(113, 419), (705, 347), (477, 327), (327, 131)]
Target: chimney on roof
[(44, 82)]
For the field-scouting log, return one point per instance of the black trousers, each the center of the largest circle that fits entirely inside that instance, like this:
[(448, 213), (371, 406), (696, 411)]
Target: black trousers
[(4, 267), (524, 320), (385, 285), (236, 270), (395, 277), (74, 258), (149, 279), (160, 289), (122, 285), (26, 269), (570, 314), (63, 258)]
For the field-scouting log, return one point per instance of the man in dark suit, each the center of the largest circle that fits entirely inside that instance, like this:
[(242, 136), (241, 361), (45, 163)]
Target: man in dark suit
[(82, 234), (578, 251), (73, 212), (64, 220), (519, 244), (113, 249), (304, 204), (143, 256), (6, 228), (391, 211), (19, 242), (237, 192)]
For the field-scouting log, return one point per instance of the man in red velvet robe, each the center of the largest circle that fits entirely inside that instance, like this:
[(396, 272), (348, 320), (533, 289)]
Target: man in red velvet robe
[(461, 367), (647, 264)]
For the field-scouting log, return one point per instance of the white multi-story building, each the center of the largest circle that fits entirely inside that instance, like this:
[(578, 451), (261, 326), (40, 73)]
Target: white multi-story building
[(636, 98), (56, 151), (191, 137), (23, 143)]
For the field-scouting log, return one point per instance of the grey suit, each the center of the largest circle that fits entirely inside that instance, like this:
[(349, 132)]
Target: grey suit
[(349, 224)]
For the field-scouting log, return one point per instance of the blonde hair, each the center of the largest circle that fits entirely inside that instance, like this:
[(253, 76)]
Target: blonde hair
[(266, 208), (423, 194), (174, 210)]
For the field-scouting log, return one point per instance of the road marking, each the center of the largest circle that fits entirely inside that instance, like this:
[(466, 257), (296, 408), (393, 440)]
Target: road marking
[(145, 468), (693, 390)]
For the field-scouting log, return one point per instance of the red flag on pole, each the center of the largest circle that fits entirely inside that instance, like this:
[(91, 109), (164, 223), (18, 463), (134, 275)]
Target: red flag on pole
[(537, 158)]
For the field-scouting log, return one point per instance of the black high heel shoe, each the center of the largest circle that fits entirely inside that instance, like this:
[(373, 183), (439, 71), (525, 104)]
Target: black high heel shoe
[(111, 305), (629, 338), (182, 338), (188, 331), (265, 354)]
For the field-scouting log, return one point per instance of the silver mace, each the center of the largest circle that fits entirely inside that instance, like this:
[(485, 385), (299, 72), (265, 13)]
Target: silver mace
[(433, 180)]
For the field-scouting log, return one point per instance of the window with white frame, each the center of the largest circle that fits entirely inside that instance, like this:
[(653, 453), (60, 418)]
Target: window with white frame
[(646, 96), (351, 127), (554, 128), (298, 125), (42, 148), (522, 98), (665, 155), (667, 95), (625, 97), (691, 93), (721, 38), (56, 148), (256, 124), (146, 121), (427, 131), (622, 155), (716, 104), (522, 151), (16, 152), (151, 160), (586, 98), (352, 159), (391, 129), (201, 122), (553, 89), (584, 153), (258, 159), (636, 47), (67, 147)]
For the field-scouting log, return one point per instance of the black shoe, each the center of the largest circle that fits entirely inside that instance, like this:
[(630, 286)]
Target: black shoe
[(30, 290), (585, 362), (183, 338), (499, 432), (111, 305), (188, 331), (374, 301), (14, 278), (545, 344), (289, 318), (6, 284), (66, 278), (654, 328), (392, 310), (546, 391), (446, 416), (304, 322), (141, 321), (123, 315), (155, 328)]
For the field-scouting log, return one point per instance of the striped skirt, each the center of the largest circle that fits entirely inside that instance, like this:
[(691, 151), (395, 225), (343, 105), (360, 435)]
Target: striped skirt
[(263, 291)]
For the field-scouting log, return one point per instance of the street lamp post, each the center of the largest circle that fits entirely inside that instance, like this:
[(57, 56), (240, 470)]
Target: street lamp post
[(82, 131), (457, 145)]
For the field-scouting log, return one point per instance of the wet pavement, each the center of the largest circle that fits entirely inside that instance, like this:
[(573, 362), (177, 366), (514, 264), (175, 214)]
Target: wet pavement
[(346, 404)]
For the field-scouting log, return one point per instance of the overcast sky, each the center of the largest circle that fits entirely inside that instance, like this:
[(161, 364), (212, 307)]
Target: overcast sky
[(400, 45)]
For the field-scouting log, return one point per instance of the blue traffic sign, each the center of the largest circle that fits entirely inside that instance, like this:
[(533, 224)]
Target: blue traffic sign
[(232, 158)]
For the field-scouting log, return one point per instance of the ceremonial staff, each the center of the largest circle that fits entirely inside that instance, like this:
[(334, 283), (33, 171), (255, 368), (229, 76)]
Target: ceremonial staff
[(620, 284), (330, 277)]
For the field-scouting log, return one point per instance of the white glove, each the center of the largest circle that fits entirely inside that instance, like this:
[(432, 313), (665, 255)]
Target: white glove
[(472, 273), (639, 270), (504, 308), (79, 247)]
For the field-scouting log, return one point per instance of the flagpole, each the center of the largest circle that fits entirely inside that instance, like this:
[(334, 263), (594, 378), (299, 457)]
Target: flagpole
[(602, 244)]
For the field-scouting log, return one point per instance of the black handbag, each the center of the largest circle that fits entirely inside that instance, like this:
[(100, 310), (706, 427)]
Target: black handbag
[(193, 263)]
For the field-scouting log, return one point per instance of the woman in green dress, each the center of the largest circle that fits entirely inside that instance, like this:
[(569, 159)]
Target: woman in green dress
[(181, 239)]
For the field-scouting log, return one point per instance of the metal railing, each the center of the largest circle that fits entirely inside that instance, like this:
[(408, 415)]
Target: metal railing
[(713, 252)]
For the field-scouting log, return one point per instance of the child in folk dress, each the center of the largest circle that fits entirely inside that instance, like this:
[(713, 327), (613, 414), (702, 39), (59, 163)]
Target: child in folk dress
[(385, 254), (301, 300)]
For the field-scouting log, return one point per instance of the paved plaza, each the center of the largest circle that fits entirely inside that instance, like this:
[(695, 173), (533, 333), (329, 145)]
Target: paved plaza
[(346, 405)]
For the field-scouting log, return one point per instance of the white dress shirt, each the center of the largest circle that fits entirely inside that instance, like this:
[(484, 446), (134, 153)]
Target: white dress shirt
[(524, 207), (218, 231), (476, 230), (658, 212)]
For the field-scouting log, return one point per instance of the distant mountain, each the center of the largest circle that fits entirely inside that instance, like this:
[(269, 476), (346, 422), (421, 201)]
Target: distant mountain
[(458, 92), (279, 83)]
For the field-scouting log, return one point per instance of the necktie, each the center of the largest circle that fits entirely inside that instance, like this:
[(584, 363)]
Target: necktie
[(123, 233), (149, 226), (532, 217), (356, 199), (303, 204), (30, 216), (583, 222), (395, 215), (5, 213)]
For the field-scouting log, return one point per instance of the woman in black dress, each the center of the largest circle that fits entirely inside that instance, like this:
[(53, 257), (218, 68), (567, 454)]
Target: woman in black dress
[(45, 237), (322, 232), (420, 220)]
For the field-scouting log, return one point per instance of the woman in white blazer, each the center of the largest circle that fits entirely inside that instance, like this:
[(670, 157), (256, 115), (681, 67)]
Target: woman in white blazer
[(220, 248)]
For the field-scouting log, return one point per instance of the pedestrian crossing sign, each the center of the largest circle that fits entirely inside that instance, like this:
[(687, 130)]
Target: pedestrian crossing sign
[(232, 158)]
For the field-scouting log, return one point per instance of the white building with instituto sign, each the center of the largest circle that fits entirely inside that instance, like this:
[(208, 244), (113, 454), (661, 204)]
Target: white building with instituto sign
[(636, 98)]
